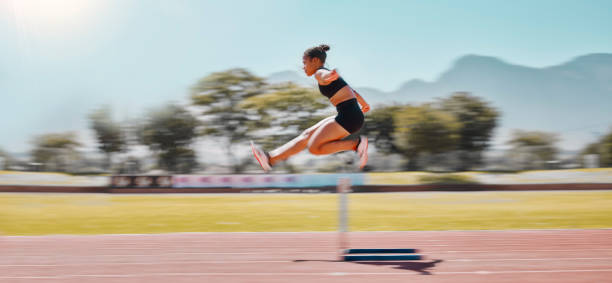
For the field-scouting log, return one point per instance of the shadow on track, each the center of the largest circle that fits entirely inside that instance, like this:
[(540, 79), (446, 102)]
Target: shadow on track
[(420, 267)]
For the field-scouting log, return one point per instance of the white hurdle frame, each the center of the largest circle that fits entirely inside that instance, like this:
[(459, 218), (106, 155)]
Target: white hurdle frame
[(343, 188), (347, 254)]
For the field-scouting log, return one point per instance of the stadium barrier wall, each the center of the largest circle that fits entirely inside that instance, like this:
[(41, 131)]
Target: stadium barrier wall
[(264, 181)]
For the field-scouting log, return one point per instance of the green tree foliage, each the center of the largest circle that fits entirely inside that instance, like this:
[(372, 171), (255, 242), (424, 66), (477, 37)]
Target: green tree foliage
[(532, 149), (603, 148), (55, 152), (5, 159), (460, 123), (592, 148), (424, 129), (379, 127), (477, 120), (606, 150), (219, 95), (109, 134), (169, 132), (284, 112)]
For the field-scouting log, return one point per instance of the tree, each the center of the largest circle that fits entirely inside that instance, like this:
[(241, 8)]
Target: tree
[(5, 160), (380, 126), (424, 129), (169, 132), (603, 148), (219, 96), (606, 150), (532, 149), (477, 120), (55, 151), (110, 136), (284, 112)]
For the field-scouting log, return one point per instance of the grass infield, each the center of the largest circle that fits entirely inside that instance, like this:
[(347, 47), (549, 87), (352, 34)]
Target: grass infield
[(41, 214)]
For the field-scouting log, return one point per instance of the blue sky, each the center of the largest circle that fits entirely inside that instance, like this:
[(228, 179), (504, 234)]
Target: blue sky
[(61, 59)]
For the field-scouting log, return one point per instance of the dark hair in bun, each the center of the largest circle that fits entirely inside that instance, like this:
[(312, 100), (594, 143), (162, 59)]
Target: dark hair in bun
[(317, 52)]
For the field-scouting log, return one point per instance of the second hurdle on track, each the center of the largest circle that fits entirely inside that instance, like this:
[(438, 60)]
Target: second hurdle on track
[(371, 254)]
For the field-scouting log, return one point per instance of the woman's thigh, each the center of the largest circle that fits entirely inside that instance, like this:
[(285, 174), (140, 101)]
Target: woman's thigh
[(310, 131), (327, 132)]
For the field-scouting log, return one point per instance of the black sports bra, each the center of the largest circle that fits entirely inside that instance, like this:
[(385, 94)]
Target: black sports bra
[(331, 89)]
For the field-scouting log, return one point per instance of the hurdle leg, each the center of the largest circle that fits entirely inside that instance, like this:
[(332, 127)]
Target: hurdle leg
[(343, 188)]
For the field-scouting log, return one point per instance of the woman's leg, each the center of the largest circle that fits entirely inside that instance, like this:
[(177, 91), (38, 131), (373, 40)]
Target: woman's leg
[(327, 139), (297, 144)]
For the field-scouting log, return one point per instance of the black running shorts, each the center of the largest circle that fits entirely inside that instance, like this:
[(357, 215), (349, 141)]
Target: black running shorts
[(349, 115)]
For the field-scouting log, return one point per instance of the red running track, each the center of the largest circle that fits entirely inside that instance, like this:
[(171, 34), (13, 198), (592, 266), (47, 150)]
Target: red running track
[(452, 256)]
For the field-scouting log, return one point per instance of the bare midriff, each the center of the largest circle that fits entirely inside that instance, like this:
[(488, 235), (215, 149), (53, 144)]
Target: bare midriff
[(342, 95)]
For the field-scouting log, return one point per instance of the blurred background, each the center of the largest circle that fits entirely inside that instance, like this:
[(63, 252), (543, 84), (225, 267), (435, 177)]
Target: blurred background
[(174, 87), (120, 118)]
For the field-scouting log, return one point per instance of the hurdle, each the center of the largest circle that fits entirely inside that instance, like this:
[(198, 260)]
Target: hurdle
[(347, 254)]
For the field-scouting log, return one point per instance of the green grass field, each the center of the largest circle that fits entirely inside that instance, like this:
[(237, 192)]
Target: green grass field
[(40, 214)]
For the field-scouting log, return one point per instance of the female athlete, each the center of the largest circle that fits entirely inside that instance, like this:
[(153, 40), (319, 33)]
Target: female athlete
[(325, 137)]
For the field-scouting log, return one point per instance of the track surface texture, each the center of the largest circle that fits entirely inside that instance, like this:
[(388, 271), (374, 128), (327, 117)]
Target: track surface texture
[(451, 256)]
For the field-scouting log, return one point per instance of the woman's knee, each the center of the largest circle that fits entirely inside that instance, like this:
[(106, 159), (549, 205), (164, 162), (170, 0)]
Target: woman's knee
[(314, 148), (304, 137)]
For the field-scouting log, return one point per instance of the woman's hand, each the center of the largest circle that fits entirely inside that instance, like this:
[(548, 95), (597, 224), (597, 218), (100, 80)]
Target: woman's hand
[(365, 107)]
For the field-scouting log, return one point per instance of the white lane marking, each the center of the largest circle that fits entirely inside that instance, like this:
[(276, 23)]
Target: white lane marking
[(424, 251), (147, 263), (524, 271), (526, 250), (480, 272), (528, 259), (284, 261), (229, 234)]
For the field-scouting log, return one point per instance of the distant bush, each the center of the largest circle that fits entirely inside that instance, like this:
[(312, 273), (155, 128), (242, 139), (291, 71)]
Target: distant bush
[(88, 173), (447, 179)]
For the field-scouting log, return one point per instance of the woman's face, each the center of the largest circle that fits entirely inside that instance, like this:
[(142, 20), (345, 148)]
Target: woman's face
[(311, 65)]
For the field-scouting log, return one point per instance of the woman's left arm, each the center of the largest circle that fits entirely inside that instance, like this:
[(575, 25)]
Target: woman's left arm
[(325, 77), (365, 107)]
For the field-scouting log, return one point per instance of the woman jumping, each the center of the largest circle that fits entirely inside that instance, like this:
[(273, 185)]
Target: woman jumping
[(326, 136)]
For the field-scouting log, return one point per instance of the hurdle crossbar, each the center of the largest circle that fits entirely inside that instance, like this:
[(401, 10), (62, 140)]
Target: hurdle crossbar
[(381, 257), (381, 251)]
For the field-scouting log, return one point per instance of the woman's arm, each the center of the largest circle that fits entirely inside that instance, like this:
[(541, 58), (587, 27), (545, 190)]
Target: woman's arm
[(365, 107), (325, 77)]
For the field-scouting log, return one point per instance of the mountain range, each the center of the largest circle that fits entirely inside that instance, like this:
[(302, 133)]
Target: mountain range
[(573, 99)]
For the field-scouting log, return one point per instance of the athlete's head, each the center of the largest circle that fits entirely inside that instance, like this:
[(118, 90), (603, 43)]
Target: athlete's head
[(314, 58)]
